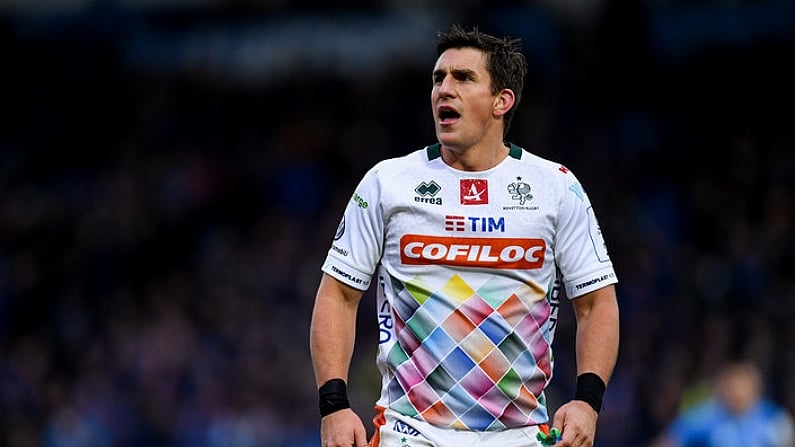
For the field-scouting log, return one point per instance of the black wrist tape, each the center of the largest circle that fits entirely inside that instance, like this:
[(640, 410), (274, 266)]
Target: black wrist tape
[(590, 389), (333, 396)]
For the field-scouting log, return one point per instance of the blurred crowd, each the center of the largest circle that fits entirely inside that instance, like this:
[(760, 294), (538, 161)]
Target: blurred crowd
[(161, 234)]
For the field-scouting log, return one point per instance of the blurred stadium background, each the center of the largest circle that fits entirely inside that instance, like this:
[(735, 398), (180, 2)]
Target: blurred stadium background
[(172, 172)]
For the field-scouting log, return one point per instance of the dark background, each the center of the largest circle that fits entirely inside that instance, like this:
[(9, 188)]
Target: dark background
[(172, 173)]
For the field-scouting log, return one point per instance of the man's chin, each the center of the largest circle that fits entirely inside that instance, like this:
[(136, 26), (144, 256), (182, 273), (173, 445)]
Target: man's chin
[(447, 139)]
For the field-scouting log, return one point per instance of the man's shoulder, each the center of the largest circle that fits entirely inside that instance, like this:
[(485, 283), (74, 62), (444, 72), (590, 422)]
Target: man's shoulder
[(398, 164), (532, 158)]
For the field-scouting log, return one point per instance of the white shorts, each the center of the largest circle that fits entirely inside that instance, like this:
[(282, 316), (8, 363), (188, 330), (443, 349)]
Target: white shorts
[(396, 430)]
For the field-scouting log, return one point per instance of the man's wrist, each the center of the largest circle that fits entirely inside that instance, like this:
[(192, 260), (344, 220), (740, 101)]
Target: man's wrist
[(590, 389), (333, 397)]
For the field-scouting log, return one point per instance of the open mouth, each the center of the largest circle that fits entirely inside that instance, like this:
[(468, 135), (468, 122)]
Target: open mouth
[(448, 115)]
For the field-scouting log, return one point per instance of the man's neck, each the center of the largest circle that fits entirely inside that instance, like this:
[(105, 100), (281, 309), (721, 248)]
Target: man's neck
[(475, 158)]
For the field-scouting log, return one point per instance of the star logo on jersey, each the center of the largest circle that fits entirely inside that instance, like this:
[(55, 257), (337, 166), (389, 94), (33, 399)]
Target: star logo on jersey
[(474, 191)]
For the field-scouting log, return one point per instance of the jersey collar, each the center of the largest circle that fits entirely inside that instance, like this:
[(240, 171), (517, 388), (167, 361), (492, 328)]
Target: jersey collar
[(434, 151)]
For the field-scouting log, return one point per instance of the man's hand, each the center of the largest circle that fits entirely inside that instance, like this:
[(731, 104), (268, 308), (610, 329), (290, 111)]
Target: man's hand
[(342, 429), (577, 422)]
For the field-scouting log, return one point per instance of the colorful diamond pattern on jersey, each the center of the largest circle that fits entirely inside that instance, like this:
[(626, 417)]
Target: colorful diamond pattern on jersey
[(470, 359)]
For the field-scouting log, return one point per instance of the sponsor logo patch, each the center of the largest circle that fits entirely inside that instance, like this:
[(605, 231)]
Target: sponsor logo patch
[(502, 253), (353, 279), (340, 229), (406, 429), (359, 200), (454, 223), (474, 191), (474, 224), (593, 281)]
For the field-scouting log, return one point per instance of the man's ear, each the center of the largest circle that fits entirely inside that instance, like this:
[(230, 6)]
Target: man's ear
[(503, 102)]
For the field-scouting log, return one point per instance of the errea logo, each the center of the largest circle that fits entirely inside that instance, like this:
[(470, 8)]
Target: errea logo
[(427, 193), (428, 189)]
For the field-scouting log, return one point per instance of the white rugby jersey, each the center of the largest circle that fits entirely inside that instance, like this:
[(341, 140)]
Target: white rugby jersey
[(467, 266)]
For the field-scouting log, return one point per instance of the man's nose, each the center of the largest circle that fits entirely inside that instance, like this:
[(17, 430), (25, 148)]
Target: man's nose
[(446, 87)]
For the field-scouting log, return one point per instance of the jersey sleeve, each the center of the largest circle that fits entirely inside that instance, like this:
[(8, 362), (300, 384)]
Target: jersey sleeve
[(358, 242), (581, 252)]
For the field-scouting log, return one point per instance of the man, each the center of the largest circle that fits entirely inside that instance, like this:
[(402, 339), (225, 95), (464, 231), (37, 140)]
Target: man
[(738, 413), (464, 240)]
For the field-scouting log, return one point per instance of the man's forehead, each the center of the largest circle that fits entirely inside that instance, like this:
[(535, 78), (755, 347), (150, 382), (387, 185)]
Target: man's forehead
[(461, 59)]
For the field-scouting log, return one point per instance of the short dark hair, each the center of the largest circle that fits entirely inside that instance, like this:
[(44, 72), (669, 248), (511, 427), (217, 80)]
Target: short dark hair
[(505, 62)]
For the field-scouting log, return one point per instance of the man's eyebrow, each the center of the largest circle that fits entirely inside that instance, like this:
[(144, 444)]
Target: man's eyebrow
[(464, 71), (457, 72)]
